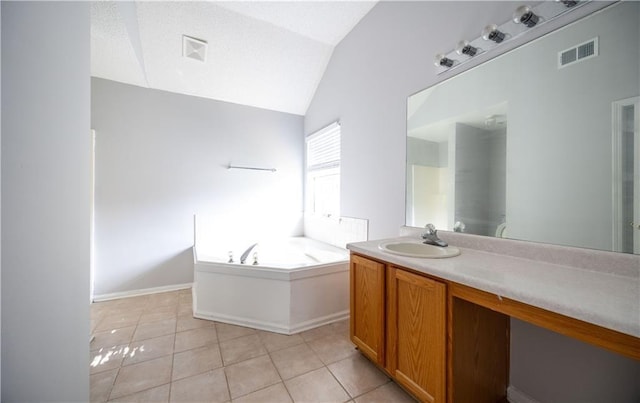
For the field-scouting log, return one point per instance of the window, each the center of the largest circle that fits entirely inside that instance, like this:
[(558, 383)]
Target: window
[(323, 171)]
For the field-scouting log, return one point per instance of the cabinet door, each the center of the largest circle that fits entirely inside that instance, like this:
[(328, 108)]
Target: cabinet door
[(367, 307), (416, 336)]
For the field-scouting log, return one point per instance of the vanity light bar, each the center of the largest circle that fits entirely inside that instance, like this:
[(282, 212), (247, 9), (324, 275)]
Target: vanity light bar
[(524, 18)]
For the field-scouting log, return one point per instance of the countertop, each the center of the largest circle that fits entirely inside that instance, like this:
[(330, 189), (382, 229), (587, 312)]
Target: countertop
[(602, 297)]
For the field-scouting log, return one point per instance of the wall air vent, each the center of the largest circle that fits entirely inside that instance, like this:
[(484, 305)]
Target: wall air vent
[(194, 48), (578, 53)]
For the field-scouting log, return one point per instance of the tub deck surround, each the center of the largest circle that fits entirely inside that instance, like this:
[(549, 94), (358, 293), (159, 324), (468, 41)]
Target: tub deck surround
[(607, 296), (298, 284)]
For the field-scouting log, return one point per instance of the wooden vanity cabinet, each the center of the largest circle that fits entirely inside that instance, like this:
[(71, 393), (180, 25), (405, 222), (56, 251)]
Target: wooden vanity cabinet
[(416, 333), (398, 320), (367, 294)]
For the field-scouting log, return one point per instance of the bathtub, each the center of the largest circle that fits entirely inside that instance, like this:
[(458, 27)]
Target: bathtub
[(297, 284)]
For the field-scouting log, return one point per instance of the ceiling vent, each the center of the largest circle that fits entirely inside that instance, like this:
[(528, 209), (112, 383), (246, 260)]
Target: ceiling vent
[(194, 48), (578, 53)]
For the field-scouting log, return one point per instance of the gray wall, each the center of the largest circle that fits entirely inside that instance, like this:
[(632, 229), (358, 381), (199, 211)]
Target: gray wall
[(162, 157), (555, 368), (386, 58), (45, 201)]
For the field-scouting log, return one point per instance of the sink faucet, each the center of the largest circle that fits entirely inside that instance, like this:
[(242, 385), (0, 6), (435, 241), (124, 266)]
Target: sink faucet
[(245, 254), (430, 236)]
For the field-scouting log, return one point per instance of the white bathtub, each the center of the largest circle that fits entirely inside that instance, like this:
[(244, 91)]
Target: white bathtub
[(298, 284)]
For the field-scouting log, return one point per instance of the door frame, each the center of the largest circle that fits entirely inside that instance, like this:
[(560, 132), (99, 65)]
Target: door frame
[(618, 222), (92, 176)]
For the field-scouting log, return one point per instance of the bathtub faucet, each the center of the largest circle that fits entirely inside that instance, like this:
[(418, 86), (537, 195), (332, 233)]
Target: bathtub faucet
[(245, 254)]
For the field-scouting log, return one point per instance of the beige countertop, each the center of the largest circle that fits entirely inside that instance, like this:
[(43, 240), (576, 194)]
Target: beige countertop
[(606, 297)]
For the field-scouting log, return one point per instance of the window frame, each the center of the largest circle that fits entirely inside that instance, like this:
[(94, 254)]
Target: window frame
[(327, 161)]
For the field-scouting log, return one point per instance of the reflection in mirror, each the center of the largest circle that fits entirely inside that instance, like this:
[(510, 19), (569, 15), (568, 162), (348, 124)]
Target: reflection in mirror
[(468, 152), (540, 144)]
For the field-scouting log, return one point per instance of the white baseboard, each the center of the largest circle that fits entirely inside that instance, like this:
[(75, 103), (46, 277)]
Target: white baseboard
[(317, 322), (515, 395), (269, 326), (144, 291)]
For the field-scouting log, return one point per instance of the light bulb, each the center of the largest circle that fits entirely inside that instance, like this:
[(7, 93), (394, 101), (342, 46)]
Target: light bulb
[(464, 48), (524, 15), (442, 60), (491, 33)]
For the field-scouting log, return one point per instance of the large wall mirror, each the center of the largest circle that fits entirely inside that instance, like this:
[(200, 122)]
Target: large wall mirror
[(524, 147)]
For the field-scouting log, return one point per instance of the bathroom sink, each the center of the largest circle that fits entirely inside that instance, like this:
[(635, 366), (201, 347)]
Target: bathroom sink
[(415, 249)]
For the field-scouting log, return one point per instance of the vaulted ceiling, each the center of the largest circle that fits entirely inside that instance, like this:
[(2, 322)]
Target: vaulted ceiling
[(265, 54)]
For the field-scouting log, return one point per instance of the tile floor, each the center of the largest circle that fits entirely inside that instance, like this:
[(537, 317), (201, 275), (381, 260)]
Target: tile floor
[(151, 349)]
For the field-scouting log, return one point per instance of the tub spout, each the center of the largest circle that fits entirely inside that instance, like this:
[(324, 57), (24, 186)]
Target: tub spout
[(245, 254)]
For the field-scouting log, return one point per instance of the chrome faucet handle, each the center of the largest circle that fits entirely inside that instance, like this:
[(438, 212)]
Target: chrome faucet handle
[(430, 236), (430, 229)]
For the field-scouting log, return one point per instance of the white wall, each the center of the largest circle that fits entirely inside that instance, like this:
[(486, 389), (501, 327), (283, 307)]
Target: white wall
[(45, 201), (0, 203), (162, 157), (386, 58)]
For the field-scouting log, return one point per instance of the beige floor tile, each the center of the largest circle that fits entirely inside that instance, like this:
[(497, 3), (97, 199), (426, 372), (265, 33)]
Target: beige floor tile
[(185, 297), (228, 332), (163, 299), (332, 348), (167, 354), (195, 338), (275, 394), (188, 322), (121, 305), (275, 341), (93, 323), (131, 302), (241, 348), (389, 392), (158, 394), (316, 386), (97, 309), (117, 321), (96, 314), (207, 387), (100, 385), (249, 376), (196, 361), (318, 332), (296, 360), (145, 375), (357, 375), (111, 338), (154, 329), (149, 349), (185, 309), (341, 328), (155, 314), (107, 358)]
